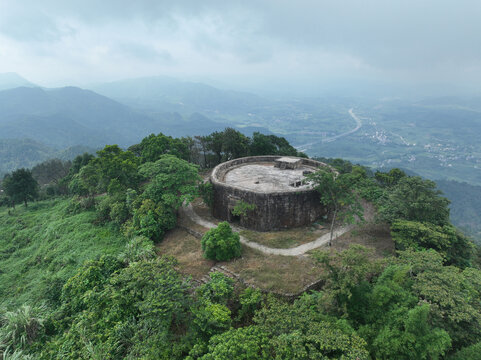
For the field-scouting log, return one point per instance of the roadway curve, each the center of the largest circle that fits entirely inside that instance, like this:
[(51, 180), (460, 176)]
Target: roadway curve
[(295, 251), (334, 138)]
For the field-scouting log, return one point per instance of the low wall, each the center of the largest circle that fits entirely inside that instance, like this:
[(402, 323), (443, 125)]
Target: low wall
[(273, 210)]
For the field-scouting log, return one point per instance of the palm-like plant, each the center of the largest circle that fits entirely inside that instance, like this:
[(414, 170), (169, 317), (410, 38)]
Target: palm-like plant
[(15, 355), (21, 327)]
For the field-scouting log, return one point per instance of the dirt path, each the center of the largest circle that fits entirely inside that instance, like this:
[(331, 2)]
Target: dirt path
[(295, 251)]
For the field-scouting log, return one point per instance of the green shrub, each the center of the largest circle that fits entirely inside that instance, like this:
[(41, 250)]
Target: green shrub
[(219, 289), (21, 327), (137, 249), (250, 300), (152, 221), (207, 193), (221, 243)]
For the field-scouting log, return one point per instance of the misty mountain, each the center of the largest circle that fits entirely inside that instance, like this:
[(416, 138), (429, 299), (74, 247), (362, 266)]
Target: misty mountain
[(69, 116), (12, 80), (167, 94), (19, 153), (37, 123)]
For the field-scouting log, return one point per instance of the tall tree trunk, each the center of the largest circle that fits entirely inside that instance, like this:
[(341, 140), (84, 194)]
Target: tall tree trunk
[(332, 226)]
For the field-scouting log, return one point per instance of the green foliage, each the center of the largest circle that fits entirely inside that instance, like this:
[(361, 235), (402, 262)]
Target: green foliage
[(20, 328), (301, 331), (454, 294), (341, 165), (8, 354), (43, 247), (447, 240), (152, 221), (20, 186), (79, 162), (416, 199), (391, 178), (206, 191), (346, 273), (241, 208), (396, 324), (86, 181), (152, 147), (221, 243), (338, 196), (270, 145), (472, 352), (411, 337), (173, 181), (250, 300), (51, 171), (239, 344), (138, 249), (211, 319), (218, 290), (127, 312), (116, 168)]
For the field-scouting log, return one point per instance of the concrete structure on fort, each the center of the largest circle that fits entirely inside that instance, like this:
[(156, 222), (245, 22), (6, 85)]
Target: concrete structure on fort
[(275, 185)]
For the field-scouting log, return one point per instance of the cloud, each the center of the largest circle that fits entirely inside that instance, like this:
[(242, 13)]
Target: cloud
[(318, 41)]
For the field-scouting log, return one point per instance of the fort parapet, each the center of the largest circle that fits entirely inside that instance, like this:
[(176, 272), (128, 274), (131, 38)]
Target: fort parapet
[(275, 185)]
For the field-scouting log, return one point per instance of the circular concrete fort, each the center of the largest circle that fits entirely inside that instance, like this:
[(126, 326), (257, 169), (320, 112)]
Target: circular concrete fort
[(275, 188)]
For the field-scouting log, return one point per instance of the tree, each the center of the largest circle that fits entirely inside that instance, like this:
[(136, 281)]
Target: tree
[(152, 147), (214, 143), (50, 171), (234, 144), (219, 289), (117, 167), (338, 196), (153, 220), (137, 312), (221, 243), (454, 294), (416, 199), (173, 181), (447, 240), (345, 273), (391, 178), (20, 186)]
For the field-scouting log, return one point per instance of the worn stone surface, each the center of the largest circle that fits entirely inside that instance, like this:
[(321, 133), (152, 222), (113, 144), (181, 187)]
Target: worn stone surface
[(255, 180), (265, 177)]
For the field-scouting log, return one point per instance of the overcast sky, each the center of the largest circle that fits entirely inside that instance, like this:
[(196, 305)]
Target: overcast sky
[(411, 43)]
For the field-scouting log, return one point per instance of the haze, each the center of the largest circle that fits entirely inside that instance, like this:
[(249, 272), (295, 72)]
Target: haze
[(308, 47)]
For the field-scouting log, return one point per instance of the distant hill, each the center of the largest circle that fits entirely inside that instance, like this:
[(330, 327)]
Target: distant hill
[(70, 116), (465, 205), (171, 95), (36, 124), (18, 153), (12, 80)]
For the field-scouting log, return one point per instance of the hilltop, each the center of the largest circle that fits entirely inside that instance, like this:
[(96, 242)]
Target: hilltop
[(109, 264)]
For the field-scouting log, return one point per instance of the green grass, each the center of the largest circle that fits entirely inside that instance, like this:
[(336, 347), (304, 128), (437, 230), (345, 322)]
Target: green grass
[(42, 246), (283, 239)]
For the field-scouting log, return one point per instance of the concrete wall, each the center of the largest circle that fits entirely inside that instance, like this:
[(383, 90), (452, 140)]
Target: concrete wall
[(274, 210)]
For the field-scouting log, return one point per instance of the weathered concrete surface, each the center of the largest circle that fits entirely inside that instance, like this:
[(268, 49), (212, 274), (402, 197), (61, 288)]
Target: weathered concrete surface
[(265, 177), (255, 180), (295, 251)]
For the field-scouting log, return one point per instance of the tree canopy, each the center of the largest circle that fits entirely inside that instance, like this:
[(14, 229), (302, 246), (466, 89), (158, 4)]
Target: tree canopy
[(20, 186)]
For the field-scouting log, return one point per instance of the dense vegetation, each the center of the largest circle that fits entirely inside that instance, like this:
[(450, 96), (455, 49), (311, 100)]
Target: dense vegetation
[(80, 277)]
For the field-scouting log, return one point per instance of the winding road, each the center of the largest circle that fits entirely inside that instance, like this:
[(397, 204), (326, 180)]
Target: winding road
[(333, 138), (295, 251)]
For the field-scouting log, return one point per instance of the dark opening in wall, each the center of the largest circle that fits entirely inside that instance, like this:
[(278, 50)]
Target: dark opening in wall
[(234, 218)]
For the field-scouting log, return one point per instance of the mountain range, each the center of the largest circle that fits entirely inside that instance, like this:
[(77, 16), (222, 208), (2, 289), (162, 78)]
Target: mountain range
[(37, 123)]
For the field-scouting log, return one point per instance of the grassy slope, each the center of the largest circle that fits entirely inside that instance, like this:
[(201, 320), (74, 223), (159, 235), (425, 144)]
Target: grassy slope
[(41, 247)]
